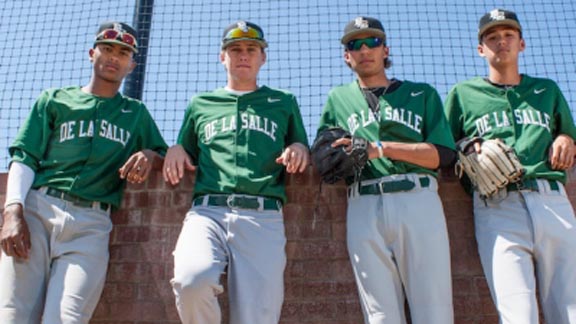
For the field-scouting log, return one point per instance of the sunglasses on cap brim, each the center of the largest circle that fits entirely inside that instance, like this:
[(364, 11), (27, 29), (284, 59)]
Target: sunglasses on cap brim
[(123, 37), (371, 42), (239, 33)]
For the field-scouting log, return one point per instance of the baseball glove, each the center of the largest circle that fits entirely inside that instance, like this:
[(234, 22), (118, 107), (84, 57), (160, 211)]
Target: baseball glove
[(490, 170), (336, 163)]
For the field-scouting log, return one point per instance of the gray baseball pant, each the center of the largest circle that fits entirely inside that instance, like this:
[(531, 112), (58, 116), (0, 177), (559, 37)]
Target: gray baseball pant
[(250, 244), (399, 249), (62, 280)]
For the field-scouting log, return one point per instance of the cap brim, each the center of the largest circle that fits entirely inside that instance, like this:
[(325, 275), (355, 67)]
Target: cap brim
[(376, 32), (260, 42), (506, 22), (113, 41)]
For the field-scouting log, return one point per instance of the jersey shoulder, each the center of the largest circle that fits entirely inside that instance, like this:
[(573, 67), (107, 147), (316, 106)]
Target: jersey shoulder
[(536, 82), (275, 95), (473, 84), (66, 95), (415, 87), (271, 97), (344, 89), (275, 92), (69, 91), (214, 95), (133, 102)]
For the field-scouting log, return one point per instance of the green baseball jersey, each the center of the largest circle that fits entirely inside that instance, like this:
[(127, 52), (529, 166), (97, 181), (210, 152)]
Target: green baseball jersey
[(235, 140), (528, 117), (409, 113), (76, 142)]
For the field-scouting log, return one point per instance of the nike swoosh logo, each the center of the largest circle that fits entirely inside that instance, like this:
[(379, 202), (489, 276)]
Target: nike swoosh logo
[(416, 94), (539, 91), (125, 111), (272, 100)]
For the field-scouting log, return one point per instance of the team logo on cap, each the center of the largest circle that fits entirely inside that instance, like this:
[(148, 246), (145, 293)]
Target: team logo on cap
[(118, 27), (360, 23), (243, 26), (497, 15)]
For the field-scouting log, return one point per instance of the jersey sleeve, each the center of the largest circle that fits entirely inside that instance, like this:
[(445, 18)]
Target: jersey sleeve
[(436, 129), (296, 130), (327, 118), (187, 136), (151, 137), (33, 137), (565, 121), (453, 112)]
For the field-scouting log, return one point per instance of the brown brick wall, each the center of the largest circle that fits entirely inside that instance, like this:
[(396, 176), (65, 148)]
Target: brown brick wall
[(320, 288)]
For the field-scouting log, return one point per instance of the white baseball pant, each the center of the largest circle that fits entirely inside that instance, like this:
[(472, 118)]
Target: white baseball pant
[(526, 237)]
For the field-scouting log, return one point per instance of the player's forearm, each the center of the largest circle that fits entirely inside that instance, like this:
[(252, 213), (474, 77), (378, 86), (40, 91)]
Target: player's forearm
[(422, 154)]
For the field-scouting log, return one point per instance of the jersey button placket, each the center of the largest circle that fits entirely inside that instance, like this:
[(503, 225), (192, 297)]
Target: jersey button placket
[(511, 97), (100, 106), (97, 121), (241, 145)]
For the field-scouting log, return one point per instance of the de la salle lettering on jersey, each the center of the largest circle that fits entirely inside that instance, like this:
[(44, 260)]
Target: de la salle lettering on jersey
[(400, 115), (85, 128), (499, 119), (247, 121)]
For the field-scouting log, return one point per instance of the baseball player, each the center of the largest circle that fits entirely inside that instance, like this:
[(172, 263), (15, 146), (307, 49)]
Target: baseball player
[(396, 230), (241, 139), (69, 162), (526, 233)]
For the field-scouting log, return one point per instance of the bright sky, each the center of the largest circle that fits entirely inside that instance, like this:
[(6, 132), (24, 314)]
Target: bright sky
[(45, 44)]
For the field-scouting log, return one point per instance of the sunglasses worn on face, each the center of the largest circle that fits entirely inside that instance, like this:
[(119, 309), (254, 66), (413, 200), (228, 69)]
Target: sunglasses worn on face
[(242, 33), (125, 38), (371, 42)]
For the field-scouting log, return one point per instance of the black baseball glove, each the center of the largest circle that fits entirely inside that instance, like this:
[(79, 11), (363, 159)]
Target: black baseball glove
[(341, 162)]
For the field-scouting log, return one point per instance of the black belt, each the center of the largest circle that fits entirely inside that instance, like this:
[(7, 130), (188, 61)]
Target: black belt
[(239, 201), (77, 201), (532, 185), (392, 186)]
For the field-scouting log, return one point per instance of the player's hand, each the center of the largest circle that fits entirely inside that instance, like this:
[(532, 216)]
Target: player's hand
[(176, 162), (138, 167), (562, 153), (344, 141), (15, 235), (295, 157)]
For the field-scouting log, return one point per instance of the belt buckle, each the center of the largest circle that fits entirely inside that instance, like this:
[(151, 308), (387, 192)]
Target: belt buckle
[(553, 184), (256, 203), (101, 206), (230, 201), (380, 187), (396, 185), (406, 185), (520, 185), (242, 202)]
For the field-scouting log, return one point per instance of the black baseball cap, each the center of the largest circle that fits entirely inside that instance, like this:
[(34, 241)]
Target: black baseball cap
[(117, 33), (243, 30), (361, 25), (498, 17)]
